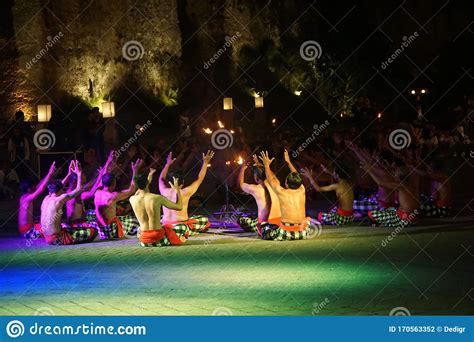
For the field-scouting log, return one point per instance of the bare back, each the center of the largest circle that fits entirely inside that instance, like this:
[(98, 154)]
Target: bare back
[(147, 209), (105, 206), (171, 195), (345, 195), (51, 212), (292, 204)]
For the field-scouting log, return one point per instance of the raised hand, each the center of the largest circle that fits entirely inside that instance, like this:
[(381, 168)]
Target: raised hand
[(169, 159), (52, 168), (206, 158), (265, 158), (256, 162), (286, 156), (175, 185), (76, 167), (136, 166), (152, 171), (307, 172)]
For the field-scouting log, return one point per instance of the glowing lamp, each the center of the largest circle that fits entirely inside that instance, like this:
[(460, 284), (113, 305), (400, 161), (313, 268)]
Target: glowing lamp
[(413, 92), (379, 115), (259, 102), (297, 92), (207, 130), (221, 125), (423, 91), (228, 103), (108, 110), (44, 112)]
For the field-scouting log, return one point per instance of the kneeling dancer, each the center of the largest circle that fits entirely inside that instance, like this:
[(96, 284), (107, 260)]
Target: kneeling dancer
[(147, 208), (52, 209), (294, 224)]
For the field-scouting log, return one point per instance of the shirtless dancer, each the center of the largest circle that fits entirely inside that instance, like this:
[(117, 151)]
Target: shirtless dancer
[(147, 208), (385, 198), (51, 212), (345, 195), (178, 219), (267, 201), (26, 225), (110, 225), (75, 212), (402, 182), (294, 224), (406, 184)]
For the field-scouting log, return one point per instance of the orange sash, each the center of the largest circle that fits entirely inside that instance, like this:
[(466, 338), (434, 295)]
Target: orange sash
[(119, 225), (292, 227), (63, 236), (152, 236), (26, 227), (343, 212), (189, 222)]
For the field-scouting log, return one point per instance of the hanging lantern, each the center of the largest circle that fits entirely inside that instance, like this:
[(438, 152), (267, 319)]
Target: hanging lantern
[(259, 102), (44, 112), (228, 103), (108, 110)]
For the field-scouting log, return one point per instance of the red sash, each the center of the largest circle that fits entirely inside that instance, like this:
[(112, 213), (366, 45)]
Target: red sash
[(152, 236), (119, 225)]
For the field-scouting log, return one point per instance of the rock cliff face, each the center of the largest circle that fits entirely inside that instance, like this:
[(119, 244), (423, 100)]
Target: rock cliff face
[(76, 53)]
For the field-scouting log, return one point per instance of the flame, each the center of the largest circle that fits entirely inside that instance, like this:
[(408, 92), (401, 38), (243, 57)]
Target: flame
[(207, 130), (379, 115), (297, 92), (227, 162), (221, 125), (232, 131), (240, 161), (274, 121), (209, 165)]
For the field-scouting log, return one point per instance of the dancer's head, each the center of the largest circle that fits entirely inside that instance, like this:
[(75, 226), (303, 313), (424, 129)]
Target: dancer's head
[(259, 175), (293, 180), (108, 180), (55, 187), (141, 181), (73, 180)]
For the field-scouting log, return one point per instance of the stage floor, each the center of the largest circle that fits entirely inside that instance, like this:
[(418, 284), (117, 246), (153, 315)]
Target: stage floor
[(346, 271)]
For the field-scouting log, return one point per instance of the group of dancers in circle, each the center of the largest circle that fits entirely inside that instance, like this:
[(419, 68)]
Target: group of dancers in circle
[(163, 219)]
